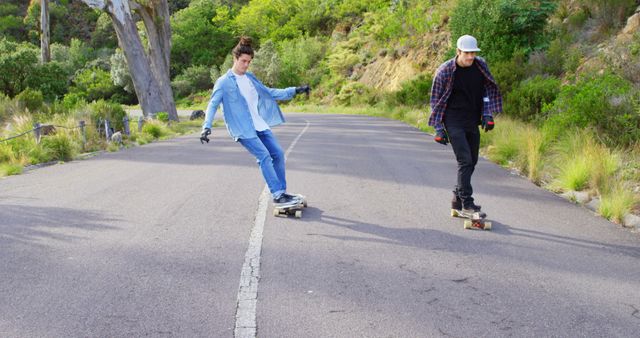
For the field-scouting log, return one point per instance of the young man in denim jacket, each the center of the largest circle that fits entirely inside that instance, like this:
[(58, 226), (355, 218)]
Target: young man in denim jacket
[(250, 110), (463, 96)]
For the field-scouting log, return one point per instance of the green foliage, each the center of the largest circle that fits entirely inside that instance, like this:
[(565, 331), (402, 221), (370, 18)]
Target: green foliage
[(615, 205), (59, 147), (355, 93), (342, 60), (202, 34), (162, 116), (93, 84), (527, 99), (102, 110), (30, 99), (66, 21), (266, 64), (502, 27), (49, 78), (413, 93), (8, 169), (17, 61), (104, 35), (509, 73), (607, 103), (299, 59), (11, 25), (192, 80), (154, 129)]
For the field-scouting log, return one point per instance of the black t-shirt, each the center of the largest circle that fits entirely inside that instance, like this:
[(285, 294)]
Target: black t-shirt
[(464, 107)]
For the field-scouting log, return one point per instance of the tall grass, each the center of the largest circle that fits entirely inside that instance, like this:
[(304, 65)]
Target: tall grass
[(617, 202)]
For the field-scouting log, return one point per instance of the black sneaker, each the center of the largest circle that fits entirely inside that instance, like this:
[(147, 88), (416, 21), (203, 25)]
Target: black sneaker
[(472, 208)]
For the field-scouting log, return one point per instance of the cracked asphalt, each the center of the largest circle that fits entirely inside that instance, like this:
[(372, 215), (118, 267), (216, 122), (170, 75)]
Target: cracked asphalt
[(151, 241)]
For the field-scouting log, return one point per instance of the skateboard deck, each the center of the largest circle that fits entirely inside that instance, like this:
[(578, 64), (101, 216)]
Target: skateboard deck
[(294, 209), (477, 220)]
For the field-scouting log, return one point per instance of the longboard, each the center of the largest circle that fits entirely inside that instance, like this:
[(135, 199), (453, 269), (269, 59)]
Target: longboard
[(476, 220)]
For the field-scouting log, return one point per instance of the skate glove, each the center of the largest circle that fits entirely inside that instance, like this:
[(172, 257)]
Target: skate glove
[(441, 137), (303, 89), (203, 136), (487, 123)]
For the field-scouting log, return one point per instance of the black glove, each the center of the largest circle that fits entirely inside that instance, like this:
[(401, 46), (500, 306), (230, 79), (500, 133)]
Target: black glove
[(303, 89), (441, 137), (203, 136), (487, 123)]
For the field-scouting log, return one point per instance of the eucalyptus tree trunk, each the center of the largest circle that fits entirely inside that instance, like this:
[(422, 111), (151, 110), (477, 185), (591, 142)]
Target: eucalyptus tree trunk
[(149, 71), (44, 37)]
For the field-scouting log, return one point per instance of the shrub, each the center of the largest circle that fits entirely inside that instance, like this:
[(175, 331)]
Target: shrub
[(162, 116), (94, 84), (30, 99), (103, 110), (502, 26), (192, 80), (605, 102), (527, 99), (266, 64), (155, 130), (50, 79), (59, 146), (413, 93), (299, 59), (354, 93), (17, 61)]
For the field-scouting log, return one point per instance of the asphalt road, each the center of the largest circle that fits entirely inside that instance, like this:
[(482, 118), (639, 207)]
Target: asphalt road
[(152, 241)]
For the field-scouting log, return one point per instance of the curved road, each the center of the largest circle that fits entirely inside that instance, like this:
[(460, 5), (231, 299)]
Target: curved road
[(175, 239)]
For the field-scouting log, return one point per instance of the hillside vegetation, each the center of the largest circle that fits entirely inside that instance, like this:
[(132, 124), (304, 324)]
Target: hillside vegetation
[(569, 71)]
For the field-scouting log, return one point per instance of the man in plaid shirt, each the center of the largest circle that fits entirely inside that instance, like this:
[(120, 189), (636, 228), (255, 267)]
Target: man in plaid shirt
[(463, 96)]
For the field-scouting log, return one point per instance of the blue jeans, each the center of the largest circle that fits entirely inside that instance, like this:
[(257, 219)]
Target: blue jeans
[(270, 158)]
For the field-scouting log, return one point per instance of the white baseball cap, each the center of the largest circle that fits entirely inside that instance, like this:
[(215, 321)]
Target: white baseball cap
[(467, 43)]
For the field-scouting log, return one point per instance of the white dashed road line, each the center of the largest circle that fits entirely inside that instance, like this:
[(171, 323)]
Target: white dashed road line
[(246, 326)]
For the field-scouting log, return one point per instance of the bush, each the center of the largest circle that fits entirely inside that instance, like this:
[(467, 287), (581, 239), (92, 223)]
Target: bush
[(502, 27), (266, 64), (154, 129), (31, 100), (60, 147), (162, 116), (103, 110), (94, 84), (413, 93), (354, 93), (606, 102), (192, 80), (527, 99), (299, 58), (17, 61), (50, 79)]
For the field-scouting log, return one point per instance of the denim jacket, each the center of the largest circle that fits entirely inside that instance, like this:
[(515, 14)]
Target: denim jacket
[(235, 108)]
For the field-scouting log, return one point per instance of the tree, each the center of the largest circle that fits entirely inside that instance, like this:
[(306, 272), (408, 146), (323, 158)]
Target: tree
[(149, 70), (44, 37)]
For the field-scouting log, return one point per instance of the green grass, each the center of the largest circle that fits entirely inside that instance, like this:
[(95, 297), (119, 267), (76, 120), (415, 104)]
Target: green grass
[(617, 203), (7, 169)]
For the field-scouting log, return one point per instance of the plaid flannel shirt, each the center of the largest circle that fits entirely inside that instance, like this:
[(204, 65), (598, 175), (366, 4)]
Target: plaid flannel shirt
[(443, 86)]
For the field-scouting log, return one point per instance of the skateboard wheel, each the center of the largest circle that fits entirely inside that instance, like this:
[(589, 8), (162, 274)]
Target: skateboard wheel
[(454, 213), (487, 225), (468, 224), (298, 213), (276, 212)]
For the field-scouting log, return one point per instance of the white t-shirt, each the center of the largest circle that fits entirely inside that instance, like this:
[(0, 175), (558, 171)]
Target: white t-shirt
[(249, 92)]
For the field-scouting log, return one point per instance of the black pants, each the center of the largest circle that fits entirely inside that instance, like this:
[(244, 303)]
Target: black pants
[(465, 142)]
